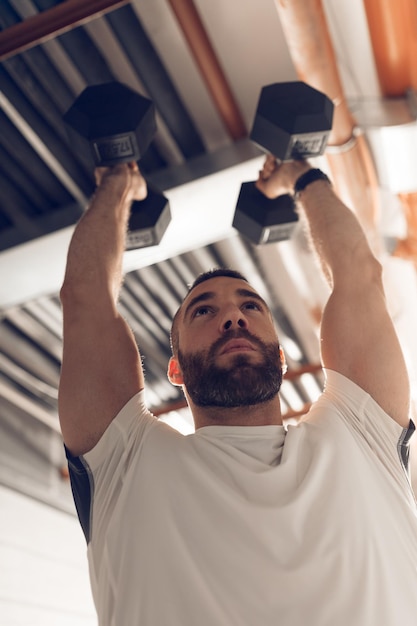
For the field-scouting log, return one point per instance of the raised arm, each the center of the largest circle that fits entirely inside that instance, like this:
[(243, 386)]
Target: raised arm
[(101, 367), (358, 338)]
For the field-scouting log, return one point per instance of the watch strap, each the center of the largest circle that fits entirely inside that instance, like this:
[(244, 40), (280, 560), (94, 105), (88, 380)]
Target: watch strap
[(307, 178)]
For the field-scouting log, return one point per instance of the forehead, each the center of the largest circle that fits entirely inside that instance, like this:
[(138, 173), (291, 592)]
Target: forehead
[(218, 288)]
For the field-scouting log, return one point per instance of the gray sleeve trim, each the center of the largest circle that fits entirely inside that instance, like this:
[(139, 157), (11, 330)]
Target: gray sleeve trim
[(82, 486), (403, 445)]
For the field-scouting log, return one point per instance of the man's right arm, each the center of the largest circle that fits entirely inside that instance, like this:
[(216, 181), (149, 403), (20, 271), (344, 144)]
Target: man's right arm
[(101, 368)]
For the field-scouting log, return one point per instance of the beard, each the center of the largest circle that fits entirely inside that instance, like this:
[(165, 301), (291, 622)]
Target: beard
[(241, 383)]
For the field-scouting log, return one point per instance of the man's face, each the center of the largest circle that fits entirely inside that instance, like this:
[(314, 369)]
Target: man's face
[(228, 349)]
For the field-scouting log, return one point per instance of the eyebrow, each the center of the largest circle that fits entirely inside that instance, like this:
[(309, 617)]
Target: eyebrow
[(247, 293), (208, 295)]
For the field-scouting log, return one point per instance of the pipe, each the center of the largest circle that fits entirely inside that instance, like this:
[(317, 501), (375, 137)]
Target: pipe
[(354, 176), (393, 32), (349, 158), (210, 68), (391, 26), (51, 23), (311, 50), (407, 248)]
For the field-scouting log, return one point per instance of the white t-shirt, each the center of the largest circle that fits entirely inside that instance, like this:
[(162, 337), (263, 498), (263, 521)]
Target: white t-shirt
[(252, 526)]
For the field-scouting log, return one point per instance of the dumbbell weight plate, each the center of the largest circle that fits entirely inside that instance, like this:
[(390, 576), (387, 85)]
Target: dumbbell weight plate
[(117, 122), (149, 219), (261, 219), (293, 120)]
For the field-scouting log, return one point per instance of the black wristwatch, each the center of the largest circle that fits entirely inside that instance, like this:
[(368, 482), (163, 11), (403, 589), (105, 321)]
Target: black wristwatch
[(309, 177)]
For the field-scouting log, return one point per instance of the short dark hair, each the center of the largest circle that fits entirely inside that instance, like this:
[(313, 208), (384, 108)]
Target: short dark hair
[(201, 278), (215, 273)]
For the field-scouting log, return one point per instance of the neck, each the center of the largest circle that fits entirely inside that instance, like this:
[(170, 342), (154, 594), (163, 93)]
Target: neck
[(263, 414)]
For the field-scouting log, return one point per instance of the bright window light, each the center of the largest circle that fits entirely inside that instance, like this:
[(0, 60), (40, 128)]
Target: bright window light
[(311, 386), (180, 420), (291, 349), (291, 396)]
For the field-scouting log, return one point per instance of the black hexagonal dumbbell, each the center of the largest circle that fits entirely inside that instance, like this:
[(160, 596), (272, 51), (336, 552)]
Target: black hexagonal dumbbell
[(261, 219), (292, 121), (118, 125)]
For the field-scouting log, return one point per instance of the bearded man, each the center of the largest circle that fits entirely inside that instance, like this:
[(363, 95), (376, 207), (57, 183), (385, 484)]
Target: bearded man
[(246, 521)]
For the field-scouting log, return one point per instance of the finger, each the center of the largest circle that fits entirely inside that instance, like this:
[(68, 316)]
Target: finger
[(260, 184), (264, 174), (99, 173)]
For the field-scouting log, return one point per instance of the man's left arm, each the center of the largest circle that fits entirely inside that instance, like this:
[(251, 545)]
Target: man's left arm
[(358, 338)]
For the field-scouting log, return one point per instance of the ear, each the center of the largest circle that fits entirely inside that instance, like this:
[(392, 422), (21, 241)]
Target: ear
[(283, 361), (174, 372)]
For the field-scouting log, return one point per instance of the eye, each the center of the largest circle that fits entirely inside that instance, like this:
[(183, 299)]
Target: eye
[(201, 310), (252, 305)]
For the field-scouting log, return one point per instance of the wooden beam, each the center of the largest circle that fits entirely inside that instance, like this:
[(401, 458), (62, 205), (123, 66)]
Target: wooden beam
[(51, 23), (210, 68)]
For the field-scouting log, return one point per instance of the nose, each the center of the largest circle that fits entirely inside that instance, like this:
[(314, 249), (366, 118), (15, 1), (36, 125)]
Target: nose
[(233, 318)]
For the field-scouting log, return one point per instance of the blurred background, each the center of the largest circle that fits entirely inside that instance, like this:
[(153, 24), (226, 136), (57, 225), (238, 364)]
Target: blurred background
[(203, 63)]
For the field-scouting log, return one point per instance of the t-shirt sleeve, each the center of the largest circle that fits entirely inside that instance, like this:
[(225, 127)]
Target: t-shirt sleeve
[(362, 415), (127, 430), (98, 475)]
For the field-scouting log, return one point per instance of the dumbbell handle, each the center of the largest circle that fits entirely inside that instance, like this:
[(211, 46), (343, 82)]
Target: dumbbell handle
[(120, 148), (148, 220)]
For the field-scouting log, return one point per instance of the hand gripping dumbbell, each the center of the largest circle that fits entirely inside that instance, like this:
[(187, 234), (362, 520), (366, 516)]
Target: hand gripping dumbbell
[(118, 124), (292, 121)]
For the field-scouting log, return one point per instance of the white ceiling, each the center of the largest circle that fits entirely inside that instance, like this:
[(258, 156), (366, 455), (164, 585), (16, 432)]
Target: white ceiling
[(250, 42)]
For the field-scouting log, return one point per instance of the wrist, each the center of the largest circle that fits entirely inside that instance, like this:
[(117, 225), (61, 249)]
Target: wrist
[(115, 189), (296, 170)]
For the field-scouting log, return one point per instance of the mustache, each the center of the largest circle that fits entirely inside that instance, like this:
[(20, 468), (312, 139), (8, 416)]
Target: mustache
[(238, 333)]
